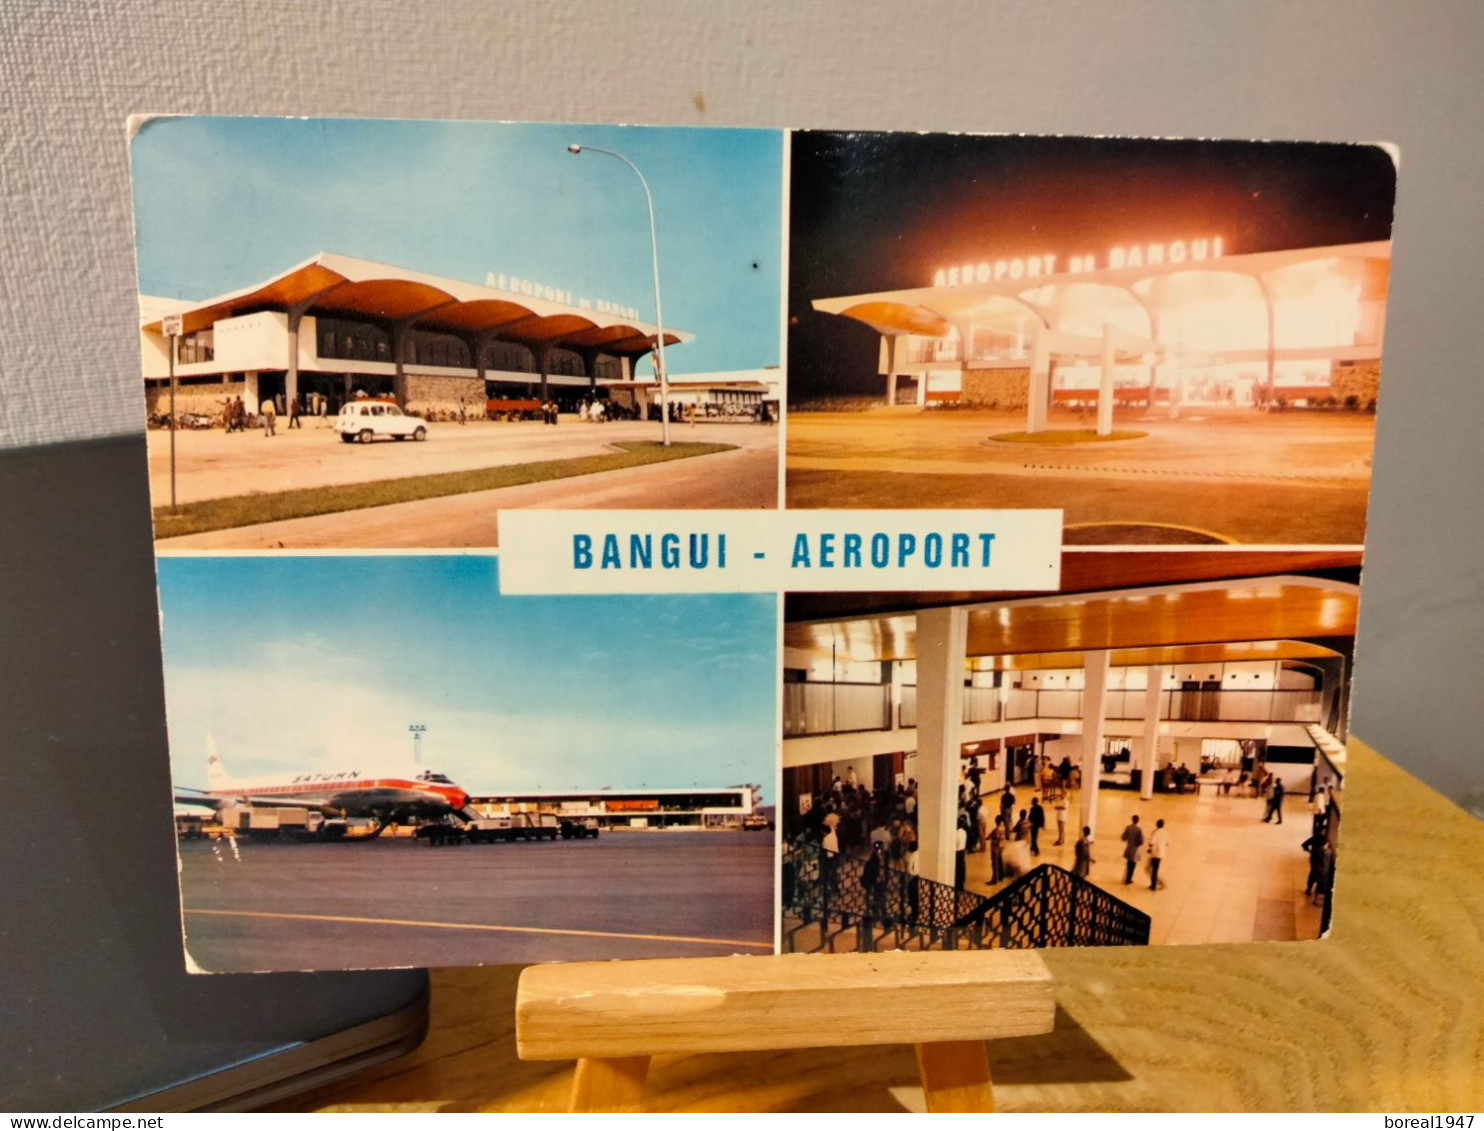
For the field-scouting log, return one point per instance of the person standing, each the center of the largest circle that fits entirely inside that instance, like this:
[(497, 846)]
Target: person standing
[(1061, 817), (1023, 826), (1007, 807), (294, 414), (873, 879), (960, 849), (1038, 822), (1159, 843), (270, 416), (1275, 802), (1082, 850), (997, 851), (1317, 846), (830, 842), (1133, 841)]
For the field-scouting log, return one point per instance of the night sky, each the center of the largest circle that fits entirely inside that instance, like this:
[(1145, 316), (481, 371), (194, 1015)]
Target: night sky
[(873, 212)]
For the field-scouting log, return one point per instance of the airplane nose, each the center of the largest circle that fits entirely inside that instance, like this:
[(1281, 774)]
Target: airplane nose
[(458, 799)]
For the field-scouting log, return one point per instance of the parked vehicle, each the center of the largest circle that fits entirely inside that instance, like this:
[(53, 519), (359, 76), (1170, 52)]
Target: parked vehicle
[(518, 826), (366, 420)]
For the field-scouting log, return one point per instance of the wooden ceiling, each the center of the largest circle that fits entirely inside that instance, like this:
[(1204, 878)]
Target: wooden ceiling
[(1143, 657), (1172, 618)]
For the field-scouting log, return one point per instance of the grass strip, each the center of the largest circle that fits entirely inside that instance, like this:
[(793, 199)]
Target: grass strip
[(250, 510), (1064, 436)]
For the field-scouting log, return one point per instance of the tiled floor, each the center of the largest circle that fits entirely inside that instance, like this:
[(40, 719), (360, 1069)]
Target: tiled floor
[(1227, 876)]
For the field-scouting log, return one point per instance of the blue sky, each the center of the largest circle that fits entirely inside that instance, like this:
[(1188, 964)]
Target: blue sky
[(297, 664), (223, 203)]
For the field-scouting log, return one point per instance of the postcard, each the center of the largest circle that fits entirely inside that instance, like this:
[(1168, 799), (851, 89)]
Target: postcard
[(589, 542)]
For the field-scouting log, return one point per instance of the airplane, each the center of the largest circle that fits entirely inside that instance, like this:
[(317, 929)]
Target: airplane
[(412, 793)]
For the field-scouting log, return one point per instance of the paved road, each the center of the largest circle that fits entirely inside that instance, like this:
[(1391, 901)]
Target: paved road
[(211, 464), (1237, 475), (401, 903), (747, 478)]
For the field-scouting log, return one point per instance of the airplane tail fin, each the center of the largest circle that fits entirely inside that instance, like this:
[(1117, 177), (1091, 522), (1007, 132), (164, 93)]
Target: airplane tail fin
[(216, 774)]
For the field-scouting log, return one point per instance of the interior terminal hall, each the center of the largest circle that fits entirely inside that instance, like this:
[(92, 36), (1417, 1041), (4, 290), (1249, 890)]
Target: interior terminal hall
[(1198, 695)]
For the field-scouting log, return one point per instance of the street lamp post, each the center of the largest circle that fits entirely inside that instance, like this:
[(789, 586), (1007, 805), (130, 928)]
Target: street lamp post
[(417, 730), (172, 325), (659, 322)]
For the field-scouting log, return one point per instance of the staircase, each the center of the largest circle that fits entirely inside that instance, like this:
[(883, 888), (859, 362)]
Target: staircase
[(826, 907)]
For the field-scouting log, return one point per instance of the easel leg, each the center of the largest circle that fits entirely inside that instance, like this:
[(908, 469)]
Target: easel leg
[(610, 1084), (955, 1076)]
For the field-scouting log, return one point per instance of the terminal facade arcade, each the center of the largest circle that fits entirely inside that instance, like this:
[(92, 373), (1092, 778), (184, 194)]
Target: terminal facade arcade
[(334, 327), (1170, 324)]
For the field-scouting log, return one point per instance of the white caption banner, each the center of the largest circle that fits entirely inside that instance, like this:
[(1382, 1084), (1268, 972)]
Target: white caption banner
[(729, 551)]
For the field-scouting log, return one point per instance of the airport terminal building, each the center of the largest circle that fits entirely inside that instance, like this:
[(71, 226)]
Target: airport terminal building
[(334, 326), (685, 808), (1172, 323)]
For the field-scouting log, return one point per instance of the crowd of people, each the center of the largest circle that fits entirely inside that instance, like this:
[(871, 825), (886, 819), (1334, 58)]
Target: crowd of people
[(853, 820), (881, 825)]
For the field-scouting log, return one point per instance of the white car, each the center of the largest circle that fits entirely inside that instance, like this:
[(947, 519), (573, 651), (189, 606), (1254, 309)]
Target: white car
[(364, 420)]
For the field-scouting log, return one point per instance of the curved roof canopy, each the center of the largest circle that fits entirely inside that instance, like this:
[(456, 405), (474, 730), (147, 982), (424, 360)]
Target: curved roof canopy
[(929, 311), (341, 286)]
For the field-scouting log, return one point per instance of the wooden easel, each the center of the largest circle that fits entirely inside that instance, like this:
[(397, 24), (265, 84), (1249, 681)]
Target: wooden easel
[(612, 1017)]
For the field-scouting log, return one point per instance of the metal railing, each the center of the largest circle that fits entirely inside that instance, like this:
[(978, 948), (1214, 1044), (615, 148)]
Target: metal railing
[(1273, 706), (835, 708), (826, 892)]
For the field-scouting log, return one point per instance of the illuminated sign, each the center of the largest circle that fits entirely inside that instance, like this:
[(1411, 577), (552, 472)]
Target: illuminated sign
[(1175, 253), (517, 285)]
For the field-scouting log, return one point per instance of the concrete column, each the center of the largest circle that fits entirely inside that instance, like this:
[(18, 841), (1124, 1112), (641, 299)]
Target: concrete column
[(1267, 298), (1153, 365), (1177, 382), (399, 347), (541, 354), (1105, 384), (1149, 751), (942, 646), (1094, 718), (891, 367), (477, 346), (894, 677), (1040, 381), (291, 372), (922, 388)]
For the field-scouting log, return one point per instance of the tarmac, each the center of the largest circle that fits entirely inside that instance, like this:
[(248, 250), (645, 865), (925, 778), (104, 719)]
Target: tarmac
[(270, 906), (1224, 474)]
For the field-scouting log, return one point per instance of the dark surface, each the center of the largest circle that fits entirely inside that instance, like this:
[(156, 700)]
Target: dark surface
[(98, 1008), (878, 212), (385, 901)]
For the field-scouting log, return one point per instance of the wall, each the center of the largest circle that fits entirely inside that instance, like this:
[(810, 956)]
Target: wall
[(260, 341), (426, 393), (71, 73), (1359, 379), (206, 398), (1002, 388)]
